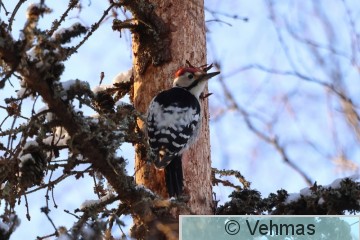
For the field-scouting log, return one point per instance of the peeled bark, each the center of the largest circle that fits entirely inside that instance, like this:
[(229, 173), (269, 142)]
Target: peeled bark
[(186, 26)]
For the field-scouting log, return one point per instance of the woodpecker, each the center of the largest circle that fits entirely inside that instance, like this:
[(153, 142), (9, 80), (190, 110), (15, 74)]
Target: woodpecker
[(173, 123)]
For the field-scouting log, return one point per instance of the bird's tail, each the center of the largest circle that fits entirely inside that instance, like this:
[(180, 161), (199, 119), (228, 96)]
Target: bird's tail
[(174, 177)]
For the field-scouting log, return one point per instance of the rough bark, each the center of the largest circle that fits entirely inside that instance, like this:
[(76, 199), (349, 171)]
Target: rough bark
[(188, 42)]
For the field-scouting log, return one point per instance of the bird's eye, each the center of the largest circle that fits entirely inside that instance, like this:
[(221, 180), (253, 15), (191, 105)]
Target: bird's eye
[(190, 76)]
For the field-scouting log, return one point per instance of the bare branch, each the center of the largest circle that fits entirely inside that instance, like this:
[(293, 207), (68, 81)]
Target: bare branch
[(272, 140), (94, 27), (14, 12), (57, 23)]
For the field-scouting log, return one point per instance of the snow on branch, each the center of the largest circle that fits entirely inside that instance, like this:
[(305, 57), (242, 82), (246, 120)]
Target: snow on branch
[(32, 165), (106, 95), (123, 77), (8, 225), (89, 204), (65, 35), (59, 138), (72, 88), (340, 196)]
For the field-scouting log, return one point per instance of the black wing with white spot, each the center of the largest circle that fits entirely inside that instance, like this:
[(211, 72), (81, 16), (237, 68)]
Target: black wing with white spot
[(173, 122)]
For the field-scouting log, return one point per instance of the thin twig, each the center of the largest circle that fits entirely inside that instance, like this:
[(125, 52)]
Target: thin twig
[(46, 211), (234, 173), (27, 208), (53, 198), (47, 236), (271, 140), (3, 5), (52, 183), (12, 17), (94, 27), (57, 23), (72, 214)]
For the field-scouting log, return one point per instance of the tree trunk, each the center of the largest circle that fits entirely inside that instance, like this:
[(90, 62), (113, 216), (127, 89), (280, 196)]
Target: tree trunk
[(188, 42)]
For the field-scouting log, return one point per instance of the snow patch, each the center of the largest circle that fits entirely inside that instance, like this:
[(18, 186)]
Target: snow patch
[(307, 191), (123, 77), (4, 227), (336, 182), (44, 108), (22, 92), (49, 115), (101, 88), (140, 186), (59, 138), (13, 221), (121, 104), (30, 143), (73, 87), (90, 203), (25, 158), (68, 84), (95, 118), (293, 197), (62, 31), (23, 89), (87, 232), (31, 53)]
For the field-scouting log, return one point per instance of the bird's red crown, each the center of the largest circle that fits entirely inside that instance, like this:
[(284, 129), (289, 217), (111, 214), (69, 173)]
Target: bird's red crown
[(183, 70)]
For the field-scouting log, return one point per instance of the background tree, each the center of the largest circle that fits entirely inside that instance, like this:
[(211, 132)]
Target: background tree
[(295, 103)]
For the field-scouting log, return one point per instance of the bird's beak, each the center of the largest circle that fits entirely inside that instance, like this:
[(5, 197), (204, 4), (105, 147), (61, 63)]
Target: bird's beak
[(207, 76)]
